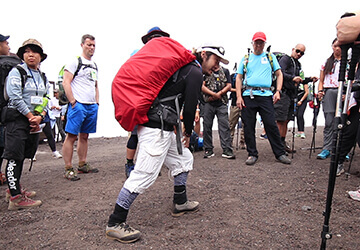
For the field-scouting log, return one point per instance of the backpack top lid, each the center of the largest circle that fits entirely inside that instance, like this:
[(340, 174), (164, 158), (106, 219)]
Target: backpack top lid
[(140, 79)]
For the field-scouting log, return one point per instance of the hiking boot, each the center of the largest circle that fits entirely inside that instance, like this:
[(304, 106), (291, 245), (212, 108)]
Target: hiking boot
[(128, 168), (2, 179), (263, 137), (209, 154), (284, 159), (340, 169), (21, 201), (355, 195), (122, 232), (87, 169), (228, 153), (323, 155), (56, 155), (24, 192), (71, 174), (251, 160), (187, 207)]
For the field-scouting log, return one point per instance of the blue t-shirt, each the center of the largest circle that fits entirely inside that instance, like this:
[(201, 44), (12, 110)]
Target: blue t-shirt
[(259, 73)]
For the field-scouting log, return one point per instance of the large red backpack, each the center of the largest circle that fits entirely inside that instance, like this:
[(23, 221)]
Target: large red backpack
[(140, 79)]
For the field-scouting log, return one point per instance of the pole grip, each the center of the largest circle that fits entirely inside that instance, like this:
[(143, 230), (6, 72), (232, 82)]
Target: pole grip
[(343, 62), (354, 59)]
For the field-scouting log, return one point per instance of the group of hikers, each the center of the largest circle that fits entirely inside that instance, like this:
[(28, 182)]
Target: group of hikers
[(195, 84)]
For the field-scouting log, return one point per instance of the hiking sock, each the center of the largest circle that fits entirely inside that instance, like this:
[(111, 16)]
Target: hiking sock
[(67, 167), (130, 161), (180, 194), (13, 174), (81, 163), (118, 216)]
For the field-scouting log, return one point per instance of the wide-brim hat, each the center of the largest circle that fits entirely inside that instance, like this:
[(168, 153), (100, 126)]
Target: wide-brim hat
[(217, 50), (31, 43), (154, 31)]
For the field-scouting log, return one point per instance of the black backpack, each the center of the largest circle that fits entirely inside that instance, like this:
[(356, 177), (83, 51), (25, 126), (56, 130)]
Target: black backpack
[(6, 64)]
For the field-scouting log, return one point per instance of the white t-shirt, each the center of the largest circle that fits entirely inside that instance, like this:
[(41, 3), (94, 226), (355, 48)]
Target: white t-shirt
[(83, 85), (55, 102)]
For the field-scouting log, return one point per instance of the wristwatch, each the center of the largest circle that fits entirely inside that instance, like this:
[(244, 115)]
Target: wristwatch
[(42, 116), (279, 91)]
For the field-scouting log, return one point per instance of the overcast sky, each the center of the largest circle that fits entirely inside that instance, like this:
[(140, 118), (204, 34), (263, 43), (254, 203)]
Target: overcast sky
[(119, 25)]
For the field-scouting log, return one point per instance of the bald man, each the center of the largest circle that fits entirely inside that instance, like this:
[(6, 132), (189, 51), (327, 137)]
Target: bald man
[(294, 82)]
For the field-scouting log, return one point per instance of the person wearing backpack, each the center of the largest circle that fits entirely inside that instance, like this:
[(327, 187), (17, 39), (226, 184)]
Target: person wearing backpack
[(215, 88), (158, 140), (26, 95), (81, 89), (293, 78), (254, 95), (4, 51)]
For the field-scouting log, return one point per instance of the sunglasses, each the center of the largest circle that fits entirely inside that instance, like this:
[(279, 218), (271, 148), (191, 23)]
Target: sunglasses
[(220, 49), (300, 52)]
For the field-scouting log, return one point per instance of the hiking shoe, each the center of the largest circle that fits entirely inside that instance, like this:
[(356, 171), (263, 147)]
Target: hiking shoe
[(242, 145), (209, 154), (2, 179), (263, 137), (251, 160), (71, 174), (187, 207), (340, 169), (87, 169), (228, 153), (323, 155), (24, 192), (122, 232), (302, 136), (21, 201), (56, 155), (347, 157), (284, 159), (128, 169), (355, 195)]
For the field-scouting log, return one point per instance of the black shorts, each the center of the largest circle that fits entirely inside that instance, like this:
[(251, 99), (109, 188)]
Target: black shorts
[(19, 143), (284, 108)]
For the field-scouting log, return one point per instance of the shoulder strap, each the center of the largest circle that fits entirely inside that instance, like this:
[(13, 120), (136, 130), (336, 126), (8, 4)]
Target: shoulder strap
[(270, 58), (23, 75), (78, 67)]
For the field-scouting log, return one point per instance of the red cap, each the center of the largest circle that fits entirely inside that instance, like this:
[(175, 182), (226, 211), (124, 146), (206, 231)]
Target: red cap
[(259, 36)]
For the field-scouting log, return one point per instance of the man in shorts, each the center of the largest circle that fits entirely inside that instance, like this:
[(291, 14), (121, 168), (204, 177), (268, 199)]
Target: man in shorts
[(81, 88)]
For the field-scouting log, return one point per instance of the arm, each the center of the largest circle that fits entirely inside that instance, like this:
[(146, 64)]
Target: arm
[(68, 77), (279, 81), (304, 97), (96, 92), (239, 100), (321, 85)]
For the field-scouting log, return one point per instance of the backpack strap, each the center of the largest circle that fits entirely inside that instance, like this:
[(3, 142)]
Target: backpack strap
[(80, 64), (23, 75)]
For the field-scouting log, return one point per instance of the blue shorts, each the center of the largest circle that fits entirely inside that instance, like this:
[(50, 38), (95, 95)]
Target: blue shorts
[(81, 118)]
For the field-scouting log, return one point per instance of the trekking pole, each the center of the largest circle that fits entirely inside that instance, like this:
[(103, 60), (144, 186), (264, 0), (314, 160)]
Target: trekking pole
[(316, 106), (237, 135), (340, 116), (294, 116)]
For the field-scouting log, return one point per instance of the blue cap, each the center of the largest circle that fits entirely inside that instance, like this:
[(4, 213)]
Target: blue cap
[(3, 38), (153, 31)]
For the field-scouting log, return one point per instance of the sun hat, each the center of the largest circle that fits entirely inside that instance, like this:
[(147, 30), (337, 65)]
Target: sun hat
[(31, 43), (3, 38), (217, 50), (259, 36), (153, 31)]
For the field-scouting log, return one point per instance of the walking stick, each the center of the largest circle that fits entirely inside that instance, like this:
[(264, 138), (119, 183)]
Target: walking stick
[(316, 106), (294, 116), (340, 117)]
